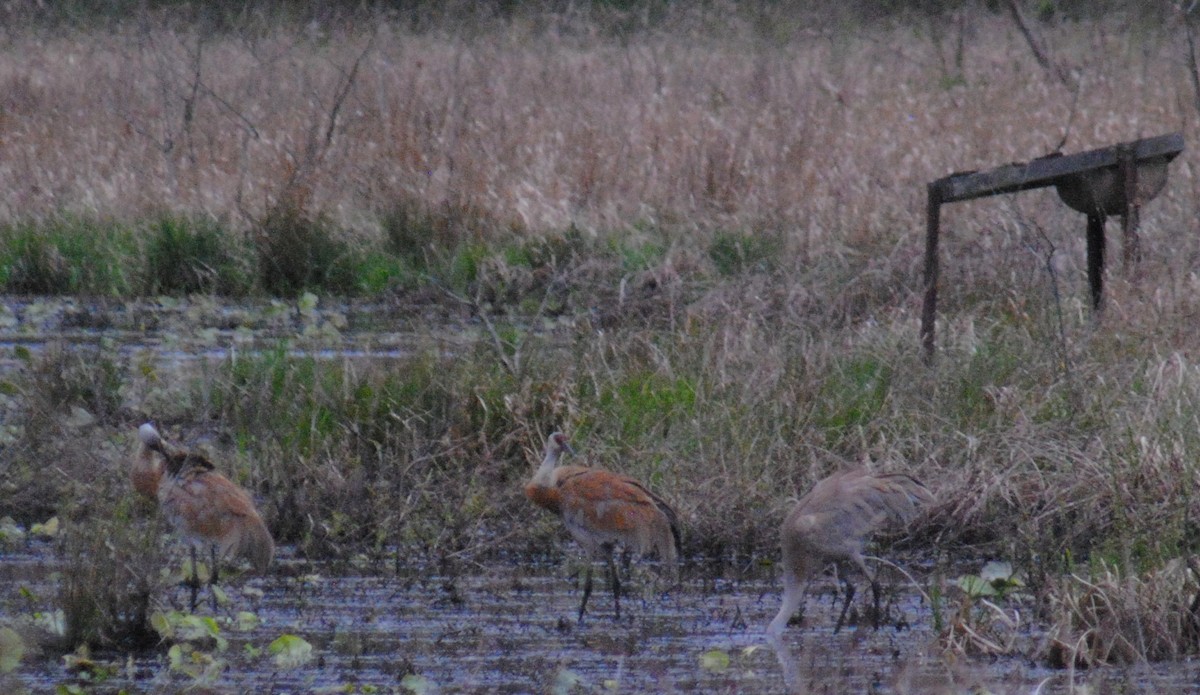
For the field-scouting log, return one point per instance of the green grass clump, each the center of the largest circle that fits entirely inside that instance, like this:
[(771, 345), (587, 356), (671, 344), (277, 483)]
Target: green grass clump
[(67, 256), (733, 253), (441, 244), (854, 393), (378, 272), (300, 251), (417, 237), (636, 250), (35, 265), (641, 403), (187, 256)]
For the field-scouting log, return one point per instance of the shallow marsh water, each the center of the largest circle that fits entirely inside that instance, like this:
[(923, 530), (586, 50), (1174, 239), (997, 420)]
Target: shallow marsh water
[(511, 628)]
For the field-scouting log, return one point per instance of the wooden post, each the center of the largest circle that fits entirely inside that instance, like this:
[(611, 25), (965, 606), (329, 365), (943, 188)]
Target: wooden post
[(933, 211), (1095, 258)]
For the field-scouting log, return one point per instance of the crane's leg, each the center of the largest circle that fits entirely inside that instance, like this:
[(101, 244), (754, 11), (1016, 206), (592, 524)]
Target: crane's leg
[(587, 591), (875, 598), (616, 585), (873, 577), (845, 604), (212, 576), (194, 580), (793, 596)]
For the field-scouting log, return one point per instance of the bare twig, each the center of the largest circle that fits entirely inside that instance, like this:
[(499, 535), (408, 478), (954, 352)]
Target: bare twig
[(344, 91), (1070, 120), (1039, 51), (1064, 355), (318, 146), (189, 99), (1193, 69)]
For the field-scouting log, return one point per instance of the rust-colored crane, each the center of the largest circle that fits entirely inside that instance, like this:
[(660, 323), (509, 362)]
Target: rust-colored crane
[(146, 472), (203, 506), (603, 510), (831, 524)]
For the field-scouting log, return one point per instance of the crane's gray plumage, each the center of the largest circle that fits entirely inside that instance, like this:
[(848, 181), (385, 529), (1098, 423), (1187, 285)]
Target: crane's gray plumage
[(833, 522)]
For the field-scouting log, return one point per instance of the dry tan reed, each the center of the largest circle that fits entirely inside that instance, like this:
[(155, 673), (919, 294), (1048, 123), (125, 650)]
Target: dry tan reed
[(828, 136)]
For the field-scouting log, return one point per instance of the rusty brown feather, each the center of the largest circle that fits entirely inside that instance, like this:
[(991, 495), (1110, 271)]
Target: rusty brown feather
[(603, 510)]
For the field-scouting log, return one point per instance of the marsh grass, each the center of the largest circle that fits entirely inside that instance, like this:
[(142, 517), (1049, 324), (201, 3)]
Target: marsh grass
[(185, 256), (63, 466), (442, 242), (1113, 617), (63, 392), (352, 457), (700, 254), (299, 250), (67, 256), (112, 573)]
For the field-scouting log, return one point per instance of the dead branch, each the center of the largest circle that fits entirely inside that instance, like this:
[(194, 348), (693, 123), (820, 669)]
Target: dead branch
[(1193, 69), (1039, 51), (316, 148)]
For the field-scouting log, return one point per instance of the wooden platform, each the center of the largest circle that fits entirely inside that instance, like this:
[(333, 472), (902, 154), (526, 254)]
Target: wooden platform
[(1114, 180)]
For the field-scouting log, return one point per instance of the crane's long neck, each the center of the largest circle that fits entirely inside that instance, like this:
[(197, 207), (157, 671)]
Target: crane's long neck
[(545, 472)]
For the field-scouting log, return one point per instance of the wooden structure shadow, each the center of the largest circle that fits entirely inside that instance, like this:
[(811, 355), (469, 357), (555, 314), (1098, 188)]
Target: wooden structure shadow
[(1114, 180)]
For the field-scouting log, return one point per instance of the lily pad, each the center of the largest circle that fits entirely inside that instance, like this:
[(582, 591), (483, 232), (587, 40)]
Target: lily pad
[(714, 661), (290, 651), (12, 649)]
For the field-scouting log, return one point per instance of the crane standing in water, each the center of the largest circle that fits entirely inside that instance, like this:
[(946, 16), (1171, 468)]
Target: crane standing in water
[(602, 510), (831, 524), (202, 505)]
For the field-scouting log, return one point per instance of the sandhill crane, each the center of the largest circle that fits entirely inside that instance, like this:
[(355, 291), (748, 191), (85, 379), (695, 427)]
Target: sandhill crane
[(206, 507), (832, 523), (147, 470), (602, 510)]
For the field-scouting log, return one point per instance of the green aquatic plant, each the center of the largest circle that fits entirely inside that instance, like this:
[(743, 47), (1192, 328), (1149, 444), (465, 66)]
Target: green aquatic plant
[(983, 623), (12, 649), (290, 651)]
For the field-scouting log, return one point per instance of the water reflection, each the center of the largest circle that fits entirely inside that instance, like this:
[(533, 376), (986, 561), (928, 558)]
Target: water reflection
[(788, 665)]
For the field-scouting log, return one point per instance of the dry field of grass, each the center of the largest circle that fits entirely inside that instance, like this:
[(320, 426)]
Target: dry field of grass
[(762, 179)]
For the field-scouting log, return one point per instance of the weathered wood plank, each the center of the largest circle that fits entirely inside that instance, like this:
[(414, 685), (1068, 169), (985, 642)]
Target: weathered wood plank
[(1049, 170)]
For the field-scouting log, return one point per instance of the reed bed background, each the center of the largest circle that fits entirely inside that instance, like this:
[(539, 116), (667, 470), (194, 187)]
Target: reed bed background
[(689, 236)]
